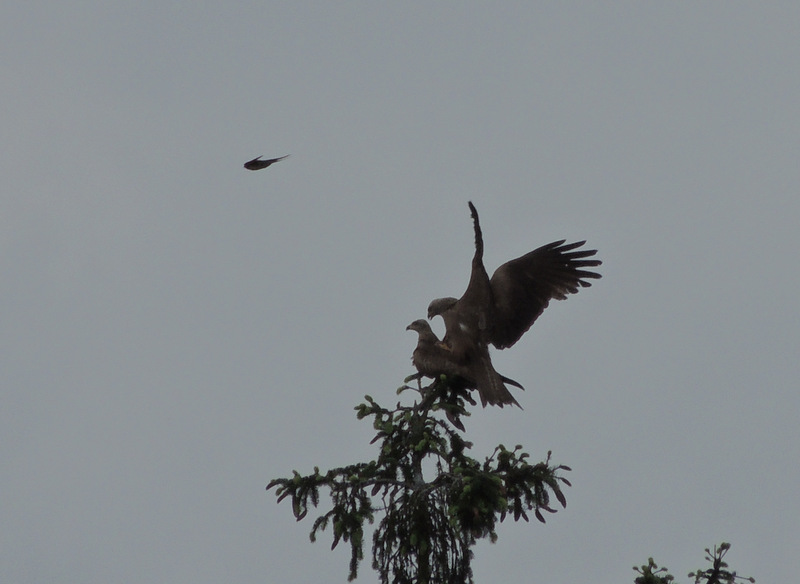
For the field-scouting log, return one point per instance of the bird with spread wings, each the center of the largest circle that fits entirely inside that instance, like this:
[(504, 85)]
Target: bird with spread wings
[(499, 310)]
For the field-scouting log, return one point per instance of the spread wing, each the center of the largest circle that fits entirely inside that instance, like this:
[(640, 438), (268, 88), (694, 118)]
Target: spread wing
[(522, 288)]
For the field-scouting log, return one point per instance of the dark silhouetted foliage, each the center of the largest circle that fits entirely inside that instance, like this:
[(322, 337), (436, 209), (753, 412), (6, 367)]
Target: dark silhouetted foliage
[(428, 526), (717, 574)]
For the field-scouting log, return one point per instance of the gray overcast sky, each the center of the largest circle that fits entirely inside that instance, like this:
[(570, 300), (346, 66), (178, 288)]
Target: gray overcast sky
[(177, 331)]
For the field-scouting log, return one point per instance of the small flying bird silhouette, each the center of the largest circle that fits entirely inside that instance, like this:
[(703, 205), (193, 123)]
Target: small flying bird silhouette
[(257, 164)]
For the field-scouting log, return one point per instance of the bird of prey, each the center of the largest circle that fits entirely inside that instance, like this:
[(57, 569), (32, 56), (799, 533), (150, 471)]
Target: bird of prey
[(475, 371), (257, 164), (500, 310)]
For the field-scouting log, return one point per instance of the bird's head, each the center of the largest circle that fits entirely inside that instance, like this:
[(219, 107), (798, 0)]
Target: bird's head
[(420, 326), (440, 306)]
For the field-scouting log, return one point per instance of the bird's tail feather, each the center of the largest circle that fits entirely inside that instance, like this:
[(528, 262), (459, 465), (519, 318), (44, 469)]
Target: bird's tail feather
[(491, 388)]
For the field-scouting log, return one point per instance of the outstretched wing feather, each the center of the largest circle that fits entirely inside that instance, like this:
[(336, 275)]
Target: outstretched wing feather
[(523, 287)]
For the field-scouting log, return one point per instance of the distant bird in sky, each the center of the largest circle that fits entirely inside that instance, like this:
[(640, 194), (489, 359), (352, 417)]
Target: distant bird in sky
[(257, 164)]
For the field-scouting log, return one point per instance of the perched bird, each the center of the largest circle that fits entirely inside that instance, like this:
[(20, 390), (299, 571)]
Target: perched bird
[(498, 311), (257, 164), (474, 371)]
